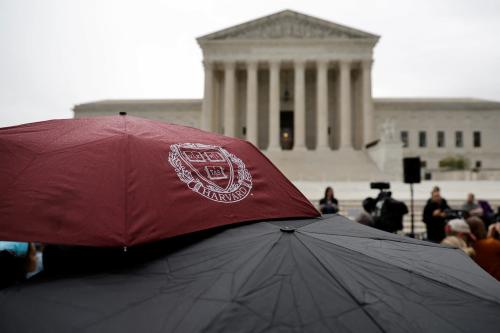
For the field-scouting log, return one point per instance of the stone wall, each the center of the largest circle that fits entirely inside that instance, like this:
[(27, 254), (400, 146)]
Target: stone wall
[(409, 115), (448, 116)]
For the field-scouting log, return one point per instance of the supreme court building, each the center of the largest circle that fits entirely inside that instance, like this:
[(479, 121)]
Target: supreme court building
[(300, 89)]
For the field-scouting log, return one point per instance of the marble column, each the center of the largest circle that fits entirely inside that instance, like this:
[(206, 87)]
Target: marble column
[(252, 99), (345, 105), (229, 104), (322, 105), (274, 106), (367, 102), (299, 112), (208, 101)]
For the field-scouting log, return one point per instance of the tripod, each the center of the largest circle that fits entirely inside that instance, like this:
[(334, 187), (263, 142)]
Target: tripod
[(412, 214)]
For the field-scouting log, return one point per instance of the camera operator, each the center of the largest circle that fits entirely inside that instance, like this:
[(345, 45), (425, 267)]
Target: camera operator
[(434, 217), (387, 213)]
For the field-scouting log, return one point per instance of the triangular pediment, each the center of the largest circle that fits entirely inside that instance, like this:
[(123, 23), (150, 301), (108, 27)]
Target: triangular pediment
[(288, 25)]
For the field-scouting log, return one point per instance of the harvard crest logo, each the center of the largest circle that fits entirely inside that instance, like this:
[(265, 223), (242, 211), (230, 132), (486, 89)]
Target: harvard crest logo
[(211, 171)]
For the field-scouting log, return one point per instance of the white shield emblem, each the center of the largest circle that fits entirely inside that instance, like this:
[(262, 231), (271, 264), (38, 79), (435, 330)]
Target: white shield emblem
[(211, 171)]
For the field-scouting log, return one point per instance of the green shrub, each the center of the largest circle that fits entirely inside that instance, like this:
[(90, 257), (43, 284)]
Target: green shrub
[(454, 163)]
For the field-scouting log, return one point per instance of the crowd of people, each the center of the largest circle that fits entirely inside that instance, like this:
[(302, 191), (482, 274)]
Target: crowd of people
[(474, 227)]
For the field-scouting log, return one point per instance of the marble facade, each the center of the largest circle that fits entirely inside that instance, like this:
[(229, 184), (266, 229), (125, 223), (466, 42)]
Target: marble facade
[(300, 89)]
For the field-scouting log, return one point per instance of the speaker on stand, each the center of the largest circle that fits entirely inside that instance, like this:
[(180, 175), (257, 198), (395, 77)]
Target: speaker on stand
[(411, 171)]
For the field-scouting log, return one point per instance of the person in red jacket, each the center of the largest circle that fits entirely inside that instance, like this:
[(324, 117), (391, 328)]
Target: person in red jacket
[(487, 245)]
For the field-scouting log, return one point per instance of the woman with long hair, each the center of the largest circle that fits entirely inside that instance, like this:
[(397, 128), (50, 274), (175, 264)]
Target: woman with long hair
[(329, 204)]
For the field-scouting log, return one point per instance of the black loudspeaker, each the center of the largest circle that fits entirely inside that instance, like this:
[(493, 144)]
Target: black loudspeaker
[(411, 169)]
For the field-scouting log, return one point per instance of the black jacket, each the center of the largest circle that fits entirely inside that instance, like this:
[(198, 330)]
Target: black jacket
[(435, 224)]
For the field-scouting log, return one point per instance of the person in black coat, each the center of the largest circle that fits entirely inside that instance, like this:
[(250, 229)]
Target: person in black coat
[(329, 205), (435, 217)]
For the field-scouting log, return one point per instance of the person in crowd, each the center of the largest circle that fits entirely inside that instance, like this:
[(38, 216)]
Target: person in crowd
[(329, 204), (434, 216), (388, 214), (438, 190), (17, 260), (488, 216), (365, 216), (459, 243), (487, 247), (459, 228), (471, 207), (458, 234), (494, 231)]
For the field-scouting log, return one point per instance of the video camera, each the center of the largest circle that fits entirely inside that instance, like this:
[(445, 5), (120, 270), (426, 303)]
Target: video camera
[(384, 193), (380, 186)]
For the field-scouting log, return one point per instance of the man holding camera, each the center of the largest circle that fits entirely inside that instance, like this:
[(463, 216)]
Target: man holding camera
[(384, 212), (435, 216)]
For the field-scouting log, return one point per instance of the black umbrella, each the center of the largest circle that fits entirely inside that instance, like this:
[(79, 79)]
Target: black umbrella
[(326, 274)]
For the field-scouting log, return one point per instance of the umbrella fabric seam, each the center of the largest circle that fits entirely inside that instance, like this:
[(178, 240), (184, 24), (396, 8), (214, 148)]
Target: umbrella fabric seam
[(380, 300), (275, 306), (382, 239), (234, 298), (245, 282), (192, 301), (260, 262), (439, 246), (361, 305), (309, 290), (407, 270), (125, 308), (60, 150), (14, 181), (126, 157), (230, 243), (430, 312)]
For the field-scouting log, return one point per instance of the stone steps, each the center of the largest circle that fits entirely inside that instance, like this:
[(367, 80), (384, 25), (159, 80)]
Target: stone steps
[(310, 165)]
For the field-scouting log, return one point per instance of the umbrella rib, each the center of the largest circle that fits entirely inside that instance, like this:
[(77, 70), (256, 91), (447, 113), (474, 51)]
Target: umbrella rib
[(341, 285), (322, 316), (295, 303), (117, 312), (423, 308), (230, 244), (260, 262), (377, 238), (275, 307), (408, 270), (125, 180), (192, 300), (234, 299), (37, 155), (55, 151)]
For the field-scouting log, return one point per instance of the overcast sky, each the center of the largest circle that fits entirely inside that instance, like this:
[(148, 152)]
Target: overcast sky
[(58, 53)]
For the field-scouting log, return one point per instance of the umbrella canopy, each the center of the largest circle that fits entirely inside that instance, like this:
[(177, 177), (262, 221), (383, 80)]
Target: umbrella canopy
[(326, 274), (120, 181)]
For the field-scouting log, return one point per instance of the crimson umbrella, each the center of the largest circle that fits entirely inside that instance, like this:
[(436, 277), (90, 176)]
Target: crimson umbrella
[(315, 275), (121, 181)]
